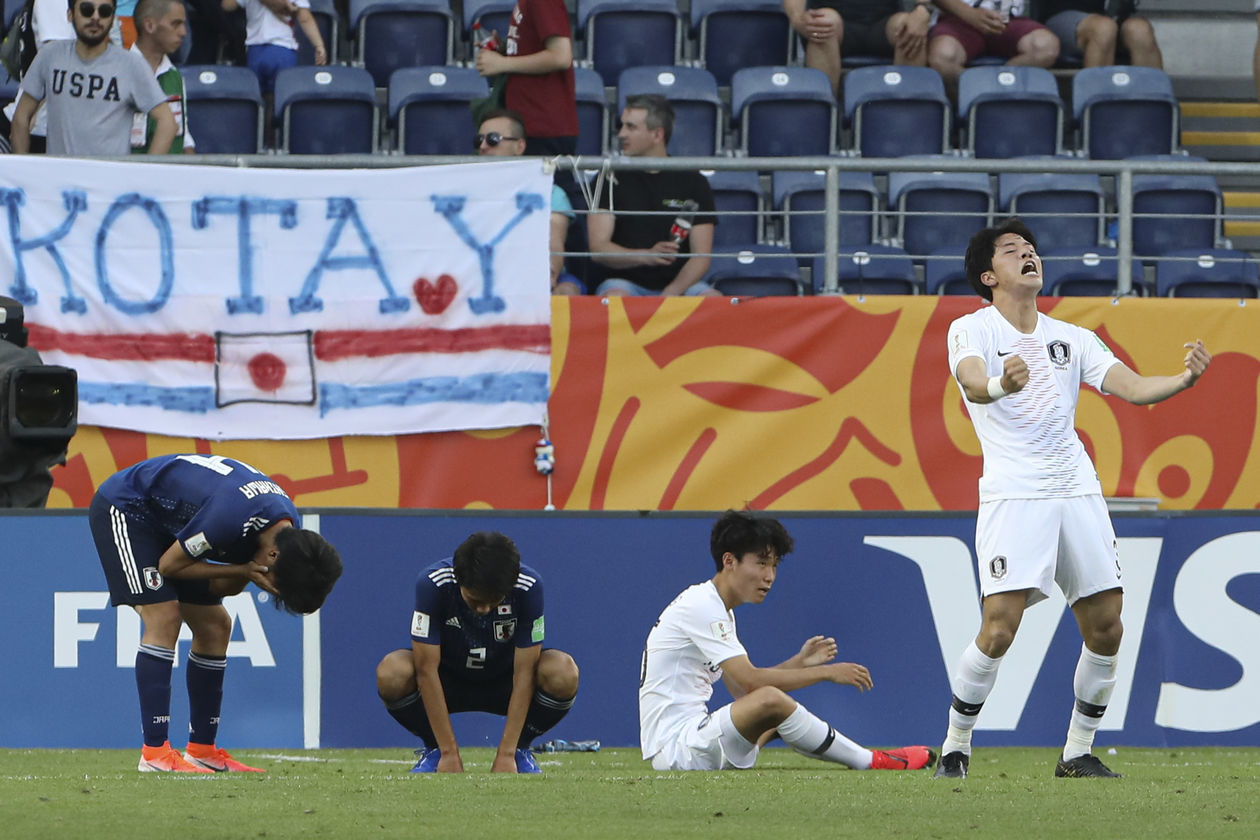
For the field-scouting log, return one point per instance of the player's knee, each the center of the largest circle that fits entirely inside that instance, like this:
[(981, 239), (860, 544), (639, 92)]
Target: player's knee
[(1104, 636), (1041, 47), (773, 703), (211, 627), (162, 622), (1138, 34), (558, 674), (1098, 30), (395, 675)]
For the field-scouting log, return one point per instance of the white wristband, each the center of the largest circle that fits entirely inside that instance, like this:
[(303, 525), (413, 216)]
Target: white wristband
[(996, 391)]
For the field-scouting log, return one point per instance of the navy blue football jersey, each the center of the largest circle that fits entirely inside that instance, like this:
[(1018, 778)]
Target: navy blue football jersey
[(214, 506), (476, 646)]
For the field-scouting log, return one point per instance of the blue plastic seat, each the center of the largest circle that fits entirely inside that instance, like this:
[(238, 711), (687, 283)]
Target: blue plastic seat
[(693, 93), (1010, 111), (326, 110), (938, 209), (755, 271), (800, 197), (733, 34), (896, 111), (329, 22), (1125, 111), (629, 33), (740, 205), (1086, 272), (592, 111), (1207, 272), (871, 270), (944, 272), (1174, 212), (783, 111), (430, 107), (225, 109), (391, 34), (1063, 210)]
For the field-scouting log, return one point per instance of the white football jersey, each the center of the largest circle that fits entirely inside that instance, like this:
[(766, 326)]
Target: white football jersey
[(681, 661), (1028, 439)]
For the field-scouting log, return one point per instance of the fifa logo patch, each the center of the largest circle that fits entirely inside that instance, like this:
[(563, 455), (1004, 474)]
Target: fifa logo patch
[(504, 630), (997, 567), (1060, 353), (152, 577)]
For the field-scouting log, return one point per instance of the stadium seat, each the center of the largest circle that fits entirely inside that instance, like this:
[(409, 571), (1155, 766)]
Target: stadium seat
[(732, 34), (592, 111), (1063, 210), (800, 197), (629, 33), (740, 205), (1208, 272), (8, 88), (944, 272), (938, 209), (1090, 272), (225, 109), (493, 15), (329, 22), (693, 93), (871, 270), (783, 111), (390, 34), (896, 111), (430, 107), (755, 271), (1125, 111), (1174, 212), (326, 110), (1010, 111)]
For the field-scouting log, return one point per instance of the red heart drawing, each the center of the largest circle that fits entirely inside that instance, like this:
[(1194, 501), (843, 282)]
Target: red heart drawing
[(435, 297)]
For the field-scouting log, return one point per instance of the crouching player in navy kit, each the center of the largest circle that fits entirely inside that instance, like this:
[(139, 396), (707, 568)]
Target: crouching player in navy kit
[(175, 535), (476, 646), (694, 644)]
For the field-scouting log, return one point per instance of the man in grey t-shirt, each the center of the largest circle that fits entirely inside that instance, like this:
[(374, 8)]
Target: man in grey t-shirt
[(92, 87)]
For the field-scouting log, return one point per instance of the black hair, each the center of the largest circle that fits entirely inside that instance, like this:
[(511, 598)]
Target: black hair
[(660, 114), (488, 563), (156, 9), (979, 256), (740, 532), (505, 113), (305, 570)]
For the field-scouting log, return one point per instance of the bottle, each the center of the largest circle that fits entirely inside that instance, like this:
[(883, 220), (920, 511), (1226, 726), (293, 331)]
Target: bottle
[(1004, 8), (681, 228), (482, 39)]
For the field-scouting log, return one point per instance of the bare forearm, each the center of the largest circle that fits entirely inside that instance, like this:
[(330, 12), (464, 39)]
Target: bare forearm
[(1153, 389), (518, 706), (430, 687)]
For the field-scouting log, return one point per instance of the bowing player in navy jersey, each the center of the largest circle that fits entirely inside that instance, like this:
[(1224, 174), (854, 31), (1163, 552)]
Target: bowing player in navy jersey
[(476, 646), (175, 535)]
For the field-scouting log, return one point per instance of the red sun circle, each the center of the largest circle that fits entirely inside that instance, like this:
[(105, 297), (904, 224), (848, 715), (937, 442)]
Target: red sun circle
[(267, 371)]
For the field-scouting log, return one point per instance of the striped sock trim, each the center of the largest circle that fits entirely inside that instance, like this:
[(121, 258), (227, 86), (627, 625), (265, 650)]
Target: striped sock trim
[(1090, 709), (212, 663), (542, 698), (403, 702), (158, 652), (827, 742)]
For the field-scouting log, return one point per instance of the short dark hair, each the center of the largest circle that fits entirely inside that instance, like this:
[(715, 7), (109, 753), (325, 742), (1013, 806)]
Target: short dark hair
[(741, 532), (488, 563), (660, 114), (979, 256), (305, 570), (505, 113)]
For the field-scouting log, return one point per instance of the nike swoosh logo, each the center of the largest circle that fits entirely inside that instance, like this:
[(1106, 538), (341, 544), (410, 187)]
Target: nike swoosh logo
[(1005, 352)]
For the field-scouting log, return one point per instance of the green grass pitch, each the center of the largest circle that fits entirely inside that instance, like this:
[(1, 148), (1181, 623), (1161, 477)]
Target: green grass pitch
[(352, 794)]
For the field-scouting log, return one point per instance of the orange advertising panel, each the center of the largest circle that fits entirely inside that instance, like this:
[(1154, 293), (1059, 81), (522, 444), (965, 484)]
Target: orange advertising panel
[(834, 403)]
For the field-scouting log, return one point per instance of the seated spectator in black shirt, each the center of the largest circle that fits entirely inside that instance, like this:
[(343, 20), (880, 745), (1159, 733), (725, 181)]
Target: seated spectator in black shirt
[(650, 254), (1090, 30)]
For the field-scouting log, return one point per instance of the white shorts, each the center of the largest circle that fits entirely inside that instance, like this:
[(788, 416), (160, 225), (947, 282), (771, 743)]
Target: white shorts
[(708, 743), (1035, 544)]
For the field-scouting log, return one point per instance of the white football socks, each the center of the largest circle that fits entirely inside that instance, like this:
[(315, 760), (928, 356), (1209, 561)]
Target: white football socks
[(1094, 681), (811, 736), (974, 677)]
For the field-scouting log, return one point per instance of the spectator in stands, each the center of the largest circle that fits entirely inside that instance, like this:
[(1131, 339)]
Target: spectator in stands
[(80, 123), (832, 28), (162, 26), (502, 134), (49, 22), (1089, 30), (966, 29), (644, 254), (270, 45), (538, 61), (123, 32)]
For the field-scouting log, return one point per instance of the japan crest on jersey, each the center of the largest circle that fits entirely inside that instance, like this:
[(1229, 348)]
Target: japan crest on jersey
[(152, 578), (504, 630)]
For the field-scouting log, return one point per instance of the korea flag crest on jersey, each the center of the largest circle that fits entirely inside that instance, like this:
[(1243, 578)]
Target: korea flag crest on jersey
[(264, 367)]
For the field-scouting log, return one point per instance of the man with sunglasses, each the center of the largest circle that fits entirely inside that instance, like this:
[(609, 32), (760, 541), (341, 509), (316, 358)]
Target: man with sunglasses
[(502, 134), (92, 87)]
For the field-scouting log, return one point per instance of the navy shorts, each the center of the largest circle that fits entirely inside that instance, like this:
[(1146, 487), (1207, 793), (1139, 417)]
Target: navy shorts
[(129, 552), (483, 695)]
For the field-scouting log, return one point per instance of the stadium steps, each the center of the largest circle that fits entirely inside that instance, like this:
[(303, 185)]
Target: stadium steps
[(1221, 130), (1242, 217)]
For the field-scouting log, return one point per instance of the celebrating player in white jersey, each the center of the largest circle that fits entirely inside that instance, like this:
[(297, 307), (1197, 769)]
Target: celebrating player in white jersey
[(694, 643), (1042, 520)]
